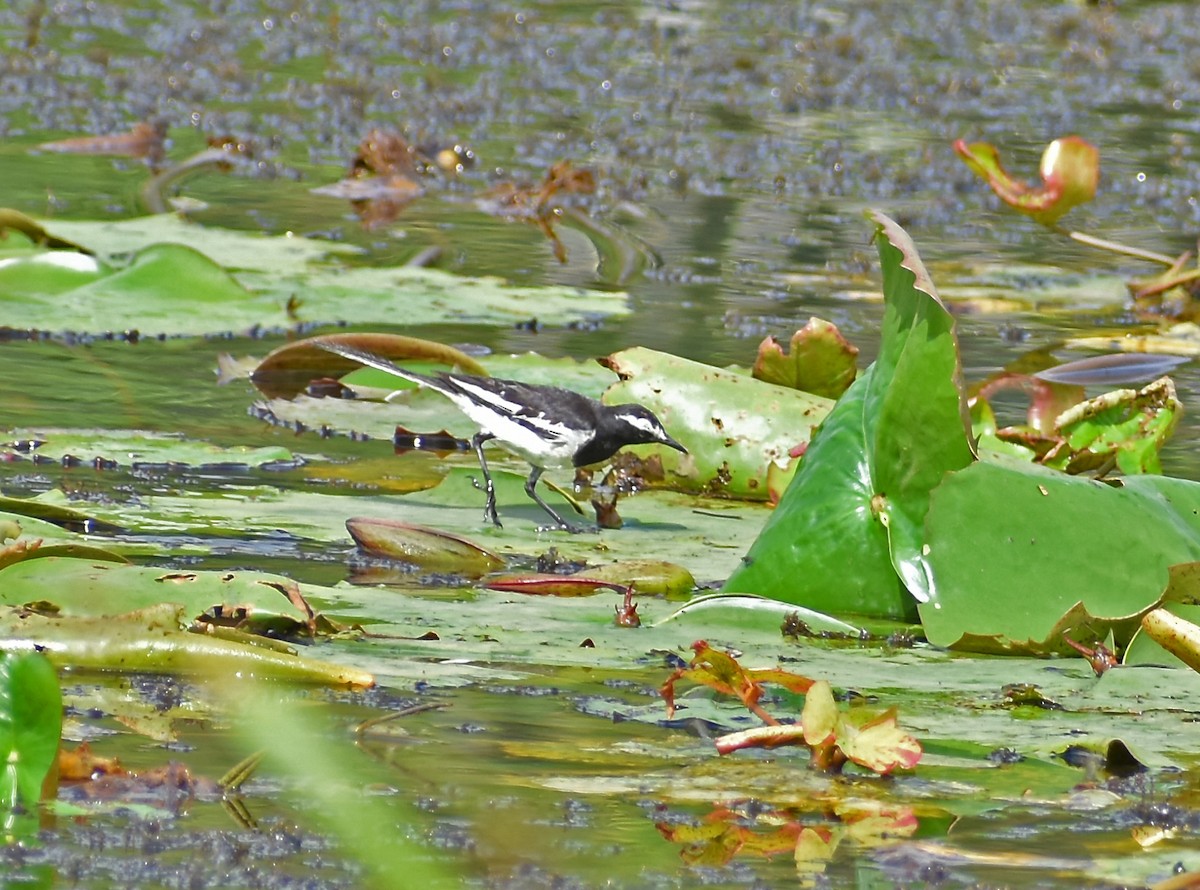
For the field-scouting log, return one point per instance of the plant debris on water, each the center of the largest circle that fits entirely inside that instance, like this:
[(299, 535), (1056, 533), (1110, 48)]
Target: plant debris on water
[(926, 577)]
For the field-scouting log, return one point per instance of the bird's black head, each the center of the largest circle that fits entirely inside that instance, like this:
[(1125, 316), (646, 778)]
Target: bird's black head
[(640, 426)]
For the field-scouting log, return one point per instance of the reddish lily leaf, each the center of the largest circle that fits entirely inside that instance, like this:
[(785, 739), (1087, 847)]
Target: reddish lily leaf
[(821, 361), (551, 585), (650, 577), (879, 744), (145, 140), (1070, 170), (721, 671), (1047, 398)]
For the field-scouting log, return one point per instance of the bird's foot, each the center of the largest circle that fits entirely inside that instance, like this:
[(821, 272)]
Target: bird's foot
[(489, 509), (489, 514)]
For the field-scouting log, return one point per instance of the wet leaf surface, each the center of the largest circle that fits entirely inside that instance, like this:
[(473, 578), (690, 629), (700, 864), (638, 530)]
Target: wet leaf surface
[(733, 426)]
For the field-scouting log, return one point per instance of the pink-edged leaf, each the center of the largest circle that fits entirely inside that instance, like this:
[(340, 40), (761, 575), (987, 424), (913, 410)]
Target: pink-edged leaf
[(551, 585), (1047, 398), (879, 744)]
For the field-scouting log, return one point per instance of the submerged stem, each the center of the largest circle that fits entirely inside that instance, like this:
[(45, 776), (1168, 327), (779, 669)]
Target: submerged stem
[(1124, 249)]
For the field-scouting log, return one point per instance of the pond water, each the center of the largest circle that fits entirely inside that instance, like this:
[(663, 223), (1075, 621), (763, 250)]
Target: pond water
[(735, 147)]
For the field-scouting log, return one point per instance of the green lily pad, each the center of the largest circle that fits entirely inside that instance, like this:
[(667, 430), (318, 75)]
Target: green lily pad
[(1021, 554), (81, 587), (153, 641), (139, 448), (52, 507), (429, 549), (238, 281), (737, 610), (234, 250)]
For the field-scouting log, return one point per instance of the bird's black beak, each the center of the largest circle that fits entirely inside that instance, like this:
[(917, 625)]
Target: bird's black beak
[(673, 444)]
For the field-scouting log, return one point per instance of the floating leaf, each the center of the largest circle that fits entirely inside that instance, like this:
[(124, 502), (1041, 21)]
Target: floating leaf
[(1089, 556), (429, 549), (734, 427), (33, 549), (648, 577), (85, 588), (144, 140), (139, 450), (741, 611), (546, 584), (153, 640), (16, 221), (1070, 170), (240, 281), (52, 506)]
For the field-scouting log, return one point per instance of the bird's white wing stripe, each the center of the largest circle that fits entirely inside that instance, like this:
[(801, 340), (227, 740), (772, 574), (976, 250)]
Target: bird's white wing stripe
[(547, 445), (487, 397)]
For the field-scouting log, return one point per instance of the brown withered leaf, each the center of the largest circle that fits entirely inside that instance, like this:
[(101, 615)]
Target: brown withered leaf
[(541, 205), (146, 140)]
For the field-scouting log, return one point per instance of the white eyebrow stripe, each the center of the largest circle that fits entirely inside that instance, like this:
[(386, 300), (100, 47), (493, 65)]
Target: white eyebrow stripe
[(642, 423)]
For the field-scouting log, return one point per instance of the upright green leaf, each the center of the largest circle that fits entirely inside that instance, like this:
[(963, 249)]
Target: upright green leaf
[(30, 726), (853, 517)]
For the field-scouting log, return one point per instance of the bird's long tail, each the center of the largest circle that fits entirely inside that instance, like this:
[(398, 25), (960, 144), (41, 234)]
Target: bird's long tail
[(379, 363)]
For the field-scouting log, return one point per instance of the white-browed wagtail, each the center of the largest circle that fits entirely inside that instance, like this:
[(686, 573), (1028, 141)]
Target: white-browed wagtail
[(549, 426)]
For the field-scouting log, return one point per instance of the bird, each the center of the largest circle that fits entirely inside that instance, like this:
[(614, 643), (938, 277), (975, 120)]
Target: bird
[(549, 426)]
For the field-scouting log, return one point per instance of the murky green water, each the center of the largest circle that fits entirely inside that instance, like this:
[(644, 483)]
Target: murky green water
[(738, 143)]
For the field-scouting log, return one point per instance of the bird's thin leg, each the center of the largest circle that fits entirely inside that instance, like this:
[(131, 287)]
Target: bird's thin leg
[(489, 510), (531, 489)]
